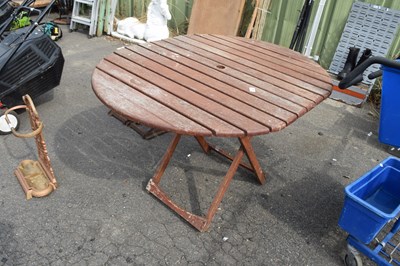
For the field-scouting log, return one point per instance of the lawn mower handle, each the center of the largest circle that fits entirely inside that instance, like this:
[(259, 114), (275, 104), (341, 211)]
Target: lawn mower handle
[(31, 28), (375, 74), (6, 23), (351, 78)]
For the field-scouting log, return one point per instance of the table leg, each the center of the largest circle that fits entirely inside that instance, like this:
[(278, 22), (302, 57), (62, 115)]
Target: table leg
[(204, 144), (245, 141), (223, 187), (153, 187), (207, 147), (200, 223), (165, 160), (248, 149)]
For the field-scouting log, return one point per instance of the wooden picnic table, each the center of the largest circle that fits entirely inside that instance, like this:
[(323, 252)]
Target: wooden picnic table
[(210, 85)]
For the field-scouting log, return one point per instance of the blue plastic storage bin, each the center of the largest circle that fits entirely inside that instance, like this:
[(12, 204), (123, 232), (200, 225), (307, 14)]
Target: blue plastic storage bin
[(372, 200), (389, 127)]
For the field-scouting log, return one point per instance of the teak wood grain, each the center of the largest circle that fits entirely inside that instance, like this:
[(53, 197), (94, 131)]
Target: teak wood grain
[(206, 85)]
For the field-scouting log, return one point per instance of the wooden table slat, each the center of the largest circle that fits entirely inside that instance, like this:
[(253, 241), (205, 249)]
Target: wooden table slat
[(134, 105), (185, 76), (234, 87), (232, 76), (205, 85), (293, 60), (213, 123), (240, 100), (256, 55), (279, 52), (253, 65), (232, 117), (303, 97)]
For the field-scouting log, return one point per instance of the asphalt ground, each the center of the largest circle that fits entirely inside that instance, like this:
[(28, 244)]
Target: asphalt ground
[(101, 214)]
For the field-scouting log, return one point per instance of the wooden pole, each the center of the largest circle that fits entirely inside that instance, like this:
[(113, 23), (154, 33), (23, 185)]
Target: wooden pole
[(257, 23), (100, 22), (263, 18), (253, 18)]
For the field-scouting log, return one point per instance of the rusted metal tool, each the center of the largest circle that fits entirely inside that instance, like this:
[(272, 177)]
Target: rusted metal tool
[(36, 177)]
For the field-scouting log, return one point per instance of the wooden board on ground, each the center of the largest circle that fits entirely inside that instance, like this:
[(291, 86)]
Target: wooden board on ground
[(36, 4), (216, 17)]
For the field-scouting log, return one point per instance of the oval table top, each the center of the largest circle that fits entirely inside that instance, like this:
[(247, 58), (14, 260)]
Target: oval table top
[(210, 85)]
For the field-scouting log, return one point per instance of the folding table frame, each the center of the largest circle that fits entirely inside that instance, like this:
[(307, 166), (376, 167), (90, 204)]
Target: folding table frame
[(203, 223)]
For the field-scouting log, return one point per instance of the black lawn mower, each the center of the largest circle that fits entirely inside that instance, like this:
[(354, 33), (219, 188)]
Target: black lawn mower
[(6, 10), (30, 62)]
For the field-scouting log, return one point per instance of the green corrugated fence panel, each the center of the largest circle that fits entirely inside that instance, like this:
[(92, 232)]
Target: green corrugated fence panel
[(180, 13), (281, 23), (329, 36), (129, 8)]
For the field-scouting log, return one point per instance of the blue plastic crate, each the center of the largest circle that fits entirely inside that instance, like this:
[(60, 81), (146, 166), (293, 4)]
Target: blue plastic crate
[(389, 127), (372, 200)]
